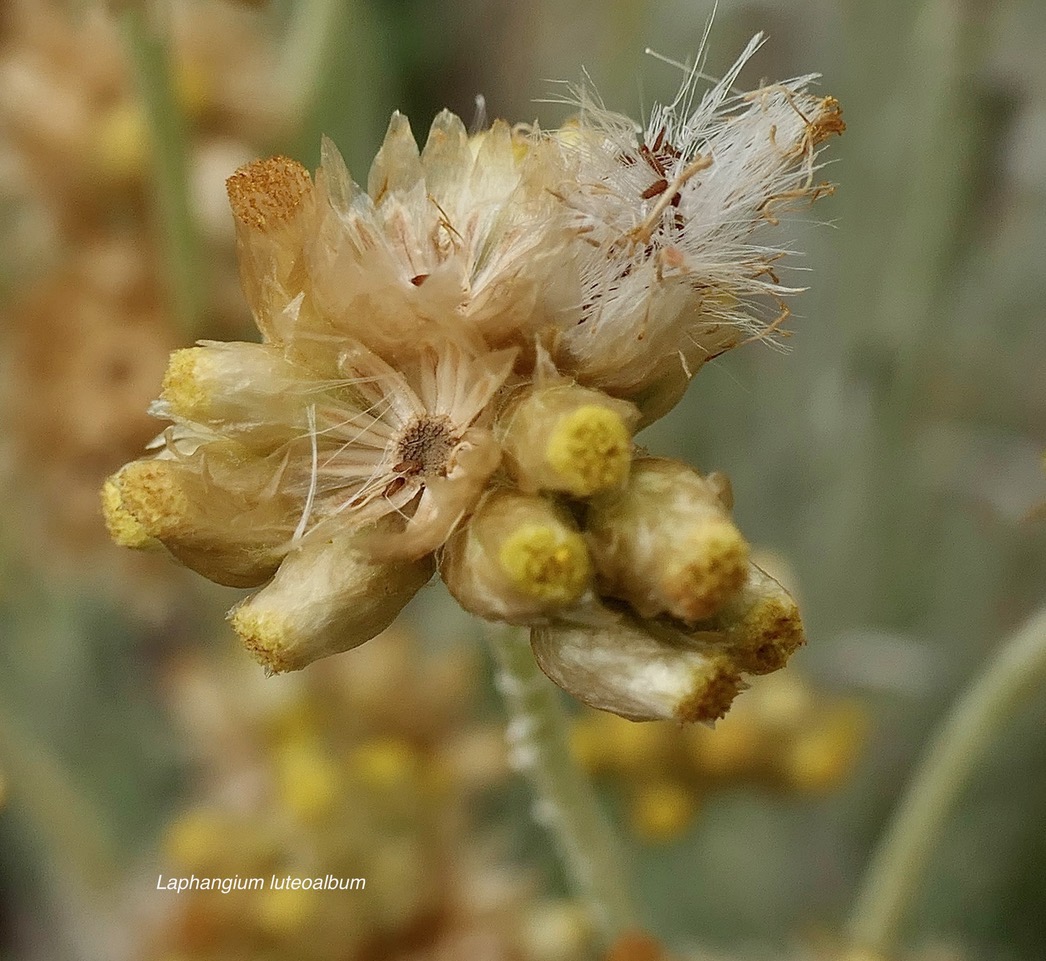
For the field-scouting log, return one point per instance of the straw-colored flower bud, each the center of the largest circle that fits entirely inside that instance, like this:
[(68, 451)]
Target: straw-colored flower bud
[(760, 628), (235, 536), (520, 559), (637, 671), (269, 200), (328, 596), (563, 437), (248, 390), (666, 543)]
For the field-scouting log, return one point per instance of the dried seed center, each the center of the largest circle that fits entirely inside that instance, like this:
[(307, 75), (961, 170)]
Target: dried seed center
[(425, 446)]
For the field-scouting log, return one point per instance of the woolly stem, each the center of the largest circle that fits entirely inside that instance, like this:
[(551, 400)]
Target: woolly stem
[(167, 142), (565, 801), (900, 860)]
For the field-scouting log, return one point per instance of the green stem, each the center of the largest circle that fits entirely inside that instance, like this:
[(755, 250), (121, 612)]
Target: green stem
[(168, 151), (900, 860), (566, 803), (310, 40)]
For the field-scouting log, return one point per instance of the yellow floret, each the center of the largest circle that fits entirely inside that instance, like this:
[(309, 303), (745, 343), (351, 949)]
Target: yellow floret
[(121, 143), (546, 563), (591, 449), (124, 528), (196, 837), (384, 763), (181, 385), (267, 635), (308, 781), (662, 811), (713, 570), (150, 493), (285, 912)]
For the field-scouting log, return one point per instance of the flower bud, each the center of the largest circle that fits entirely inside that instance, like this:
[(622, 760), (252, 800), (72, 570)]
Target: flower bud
[(327, 597), (250, 391), (519, 559), (637, 671), (234, 536), (568, 438), (666, 543)]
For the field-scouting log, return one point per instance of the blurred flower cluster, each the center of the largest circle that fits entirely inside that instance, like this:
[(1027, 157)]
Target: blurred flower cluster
[(89, 327), (325, 774), (783, 736), (454, 362)]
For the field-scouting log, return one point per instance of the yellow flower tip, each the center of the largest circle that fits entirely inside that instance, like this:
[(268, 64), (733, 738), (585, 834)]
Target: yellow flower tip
[(662, 811), (182, 390), (154, 503), (546, 563), (716, 684), (713, 568), (268, 636), (284, 913), (309, 782), (591, 449), (778, 629), (384, 763), (266, 193), (122, 525)]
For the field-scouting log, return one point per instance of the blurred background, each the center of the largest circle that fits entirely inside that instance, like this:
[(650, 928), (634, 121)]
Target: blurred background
[(887, 463)]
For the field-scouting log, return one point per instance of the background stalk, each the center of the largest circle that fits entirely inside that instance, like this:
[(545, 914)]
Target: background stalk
[(899, 863)]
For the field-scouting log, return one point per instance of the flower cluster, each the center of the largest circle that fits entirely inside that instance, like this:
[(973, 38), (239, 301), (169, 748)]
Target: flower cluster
[(454, 362)]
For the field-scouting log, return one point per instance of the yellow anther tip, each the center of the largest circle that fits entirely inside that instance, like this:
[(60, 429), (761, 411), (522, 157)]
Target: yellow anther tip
[(266, 635), (591, 449), (715, 568), (546, 563)]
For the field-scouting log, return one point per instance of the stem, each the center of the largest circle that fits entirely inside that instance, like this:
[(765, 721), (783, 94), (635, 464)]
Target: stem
[(566, 803), (900, 860), (167, 141)]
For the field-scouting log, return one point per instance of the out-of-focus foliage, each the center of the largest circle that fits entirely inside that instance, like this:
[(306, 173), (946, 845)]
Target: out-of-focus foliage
[(892, 454)]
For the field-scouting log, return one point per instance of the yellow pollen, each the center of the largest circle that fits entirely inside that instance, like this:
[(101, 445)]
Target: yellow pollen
[(150, 497), (591, 449), (547, 563)]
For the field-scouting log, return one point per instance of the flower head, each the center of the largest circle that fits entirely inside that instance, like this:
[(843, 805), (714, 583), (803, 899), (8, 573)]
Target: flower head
[(454, 362)]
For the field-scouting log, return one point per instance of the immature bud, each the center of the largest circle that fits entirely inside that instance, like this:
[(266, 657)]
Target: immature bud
[(233, 537), (637, 671), (760, 628), (328, 596), (519, 559), (567, 438), (666, 543)]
